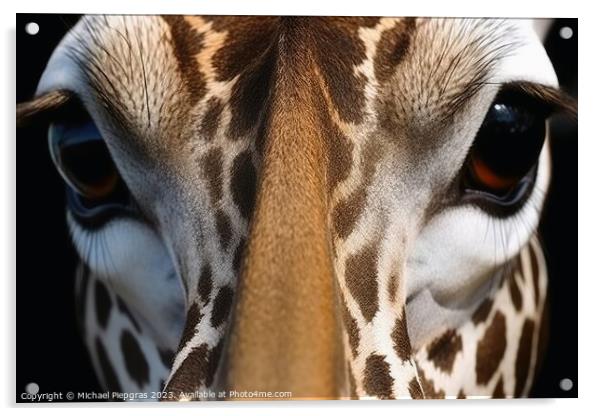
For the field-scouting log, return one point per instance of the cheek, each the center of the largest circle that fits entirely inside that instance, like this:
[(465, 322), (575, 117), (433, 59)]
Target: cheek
[(122, 247), (459, 249), (453, 254), (133, 262)]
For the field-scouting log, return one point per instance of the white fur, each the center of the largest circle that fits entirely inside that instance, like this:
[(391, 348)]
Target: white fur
[(456, 253), (131, 258)]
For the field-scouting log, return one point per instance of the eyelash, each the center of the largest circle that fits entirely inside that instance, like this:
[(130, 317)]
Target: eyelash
[(93, 247)]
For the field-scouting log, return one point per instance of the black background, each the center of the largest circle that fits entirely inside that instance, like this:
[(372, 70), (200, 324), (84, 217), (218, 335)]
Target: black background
[(49, 349)]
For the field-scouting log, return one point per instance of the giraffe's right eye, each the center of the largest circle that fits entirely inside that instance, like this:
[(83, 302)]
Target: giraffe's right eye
[(95, 188), (502, 163)]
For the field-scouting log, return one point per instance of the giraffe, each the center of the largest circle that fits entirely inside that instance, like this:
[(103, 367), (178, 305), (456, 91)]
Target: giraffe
[(305, 207)]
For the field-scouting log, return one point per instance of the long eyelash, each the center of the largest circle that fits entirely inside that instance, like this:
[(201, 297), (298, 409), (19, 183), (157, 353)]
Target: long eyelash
[(42, 107), (556, 99)]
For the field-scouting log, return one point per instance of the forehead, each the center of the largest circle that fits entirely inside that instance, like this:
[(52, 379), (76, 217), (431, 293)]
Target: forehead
[(159, 73)]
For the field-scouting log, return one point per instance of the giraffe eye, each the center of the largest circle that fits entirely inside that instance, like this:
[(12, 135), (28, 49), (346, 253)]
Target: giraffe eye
[(502, 162), (94, 186)]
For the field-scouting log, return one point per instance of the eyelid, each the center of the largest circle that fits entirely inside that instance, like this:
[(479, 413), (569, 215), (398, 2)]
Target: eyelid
[(551, 100)]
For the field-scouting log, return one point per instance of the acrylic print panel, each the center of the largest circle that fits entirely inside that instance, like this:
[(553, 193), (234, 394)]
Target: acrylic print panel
[(231, 207)]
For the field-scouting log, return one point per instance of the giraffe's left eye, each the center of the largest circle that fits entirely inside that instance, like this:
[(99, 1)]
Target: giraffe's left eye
[(95, 189), (502, 162)]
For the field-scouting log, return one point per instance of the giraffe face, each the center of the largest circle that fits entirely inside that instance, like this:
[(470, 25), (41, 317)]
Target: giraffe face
[(309, 174)]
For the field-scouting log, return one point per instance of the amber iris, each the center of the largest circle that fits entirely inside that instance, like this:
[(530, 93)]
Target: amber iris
[(507, 146)]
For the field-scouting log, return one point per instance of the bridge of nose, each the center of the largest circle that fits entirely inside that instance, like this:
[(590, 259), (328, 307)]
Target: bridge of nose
[(285, 334)]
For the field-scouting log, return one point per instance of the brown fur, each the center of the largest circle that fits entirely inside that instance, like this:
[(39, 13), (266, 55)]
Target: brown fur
[(377, 378), (444, 349), (482, 312), (524, 357), (296, 102), (401, 339), (287, 243), (491, 349)]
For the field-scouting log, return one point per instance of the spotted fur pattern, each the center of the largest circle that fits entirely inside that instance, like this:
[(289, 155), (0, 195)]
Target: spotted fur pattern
[(289, 167)]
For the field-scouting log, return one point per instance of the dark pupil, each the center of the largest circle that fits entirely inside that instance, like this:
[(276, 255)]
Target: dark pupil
[(510, 140), (90, 165)]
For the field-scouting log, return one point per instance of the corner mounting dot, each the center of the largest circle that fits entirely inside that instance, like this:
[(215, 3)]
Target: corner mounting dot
[(566, 384), (32, 388), (32, 28), (566, 32)]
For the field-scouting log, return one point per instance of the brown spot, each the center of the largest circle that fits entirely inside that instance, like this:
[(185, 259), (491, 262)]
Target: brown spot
[(221, 306), (243, 183), (392, 47), (211, 164), (347, 212), (535, 273), (338, 51), (248, 52), (461, 394), (211, 118), (205, 284), (401, 339), (377, 377), (415, 390), (498, 392), (360, 276), (248, 37), (443, 350), (482, 312), (135, 362), (249, 97), (491, 349), (187, 43), (339, 149), (108, 373), (125, 310), (191, 373), (102, 301), (193, 317), (224, 228), (428, 387), (353, 332), (517, 299), (523, 357)]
